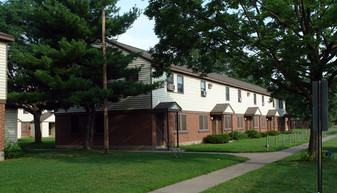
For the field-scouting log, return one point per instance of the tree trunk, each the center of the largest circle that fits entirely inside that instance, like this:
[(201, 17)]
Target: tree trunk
[(313, 142), (89, 129), (37, 126), (92, 125)]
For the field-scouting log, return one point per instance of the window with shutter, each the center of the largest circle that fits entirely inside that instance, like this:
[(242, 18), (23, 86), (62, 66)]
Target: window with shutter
[(256, 122)]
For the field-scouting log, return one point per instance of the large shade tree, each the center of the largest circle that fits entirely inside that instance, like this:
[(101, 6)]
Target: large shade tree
[(57, 60), (285, 45)]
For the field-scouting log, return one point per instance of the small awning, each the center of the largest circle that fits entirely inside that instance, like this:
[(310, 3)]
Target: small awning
[(273, 113), (220, 109), (253, 111), (167, 106)]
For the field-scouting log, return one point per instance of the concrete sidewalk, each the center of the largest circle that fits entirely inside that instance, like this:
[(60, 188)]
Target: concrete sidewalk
[(257, 160)]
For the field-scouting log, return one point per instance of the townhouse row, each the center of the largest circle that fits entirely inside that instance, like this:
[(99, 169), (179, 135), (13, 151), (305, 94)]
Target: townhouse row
[(184, 111)]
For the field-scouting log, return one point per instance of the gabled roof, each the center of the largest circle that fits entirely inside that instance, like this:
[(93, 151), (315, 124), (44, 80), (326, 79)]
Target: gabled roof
[(273, 113), (146, 55), (251, 111), (46, 115), (220, 109), (167, 106), (6, 37), (215, 77)]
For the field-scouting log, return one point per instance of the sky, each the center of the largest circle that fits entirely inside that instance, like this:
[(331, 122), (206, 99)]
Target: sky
[(141, 34)]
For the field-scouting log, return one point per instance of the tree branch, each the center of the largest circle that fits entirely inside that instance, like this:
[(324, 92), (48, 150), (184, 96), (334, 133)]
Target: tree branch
[(279, 19), (250, 21), (300, 91)]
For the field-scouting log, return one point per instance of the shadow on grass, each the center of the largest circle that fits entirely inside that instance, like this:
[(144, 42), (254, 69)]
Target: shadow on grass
[(97, 156)]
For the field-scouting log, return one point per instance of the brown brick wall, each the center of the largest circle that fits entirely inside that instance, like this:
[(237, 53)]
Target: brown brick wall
[(138, 128), (128, 128), (193, 133), (2, 126)]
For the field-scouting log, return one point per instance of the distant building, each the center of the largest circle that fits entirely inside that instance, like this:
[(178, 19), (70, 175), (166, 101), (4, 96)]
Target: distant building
[(195, 106), (25, 124)]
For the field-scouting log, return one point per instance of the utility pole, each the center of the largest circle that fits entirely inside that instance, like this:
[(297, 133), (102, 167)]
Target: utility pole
[(106, 128)]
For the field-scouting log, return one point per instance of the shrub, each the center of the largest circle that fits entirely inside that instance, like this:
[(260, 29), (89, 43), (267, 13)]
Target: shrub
[(264, 134), (273, 133), (326, 155), (218, 138), (252, 133), (238, 135), (12, 150), (305, 156)]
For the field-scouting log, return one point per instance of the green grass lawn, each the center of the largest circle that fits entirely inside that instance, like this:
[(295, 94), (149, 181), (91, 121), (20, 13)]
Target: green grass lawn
[(92, 171), (287, 175), (254, 145), (28, 143)]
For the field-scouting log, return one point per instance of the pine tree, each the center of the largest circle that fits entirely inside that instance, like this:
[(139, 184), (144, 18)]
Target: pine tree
[(57, 61)]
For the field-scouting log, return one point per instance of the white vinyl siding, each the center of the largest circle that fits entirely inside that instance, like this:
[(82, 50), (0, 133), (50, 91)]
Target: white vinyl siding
[(3, 71), (140, 101), (191, 100)]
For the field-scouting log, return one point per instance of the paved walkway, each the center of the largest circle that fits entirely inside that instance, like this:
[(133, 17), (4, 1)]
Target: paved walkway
[(257, 160)]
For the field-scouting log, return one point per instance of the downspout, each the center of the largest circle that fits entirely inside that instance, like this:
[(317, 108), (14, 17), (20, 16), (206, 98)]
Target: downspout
[(168, 131), (177, 130)]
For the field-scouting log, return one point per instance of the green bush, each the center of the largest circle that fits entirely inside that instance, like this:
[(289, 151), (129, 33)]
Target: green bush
[(12, 150), (218, 138), (273, 133), (305, 156), (238, 135), (252, 133), (264, 134)]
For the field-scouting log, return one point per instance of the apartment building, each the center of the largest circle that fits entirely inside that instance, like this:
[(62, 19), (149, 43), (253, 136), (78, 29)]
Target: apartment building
[(184, 111)]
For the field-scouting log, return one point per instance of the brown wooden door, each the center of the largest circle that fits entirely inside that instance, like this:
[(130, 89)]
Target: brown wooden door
[(219, 123), (269, 124), (248, 123), (214, 125)]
